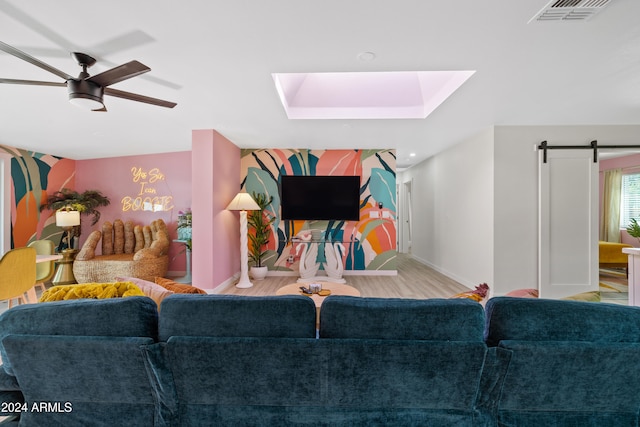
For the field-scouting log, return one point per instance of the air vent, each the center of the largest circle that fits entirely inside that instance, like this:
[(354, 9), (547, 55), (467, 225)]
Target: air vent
[(570, 10)]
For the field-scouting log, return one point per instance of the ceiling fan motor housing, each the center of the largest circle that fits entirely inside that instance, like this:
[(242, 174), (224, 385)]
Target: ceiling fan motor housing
[(85, 89)]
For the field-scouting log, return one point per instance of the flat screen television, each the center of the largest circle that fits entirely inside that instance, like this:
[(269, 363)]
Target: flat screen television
[(317, 197)]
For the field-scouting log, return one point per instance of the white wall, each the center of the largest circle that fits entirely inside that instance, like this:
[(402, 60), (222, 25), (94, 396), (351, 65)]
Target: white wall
[(476, 204), (516, 193), (453, 210)]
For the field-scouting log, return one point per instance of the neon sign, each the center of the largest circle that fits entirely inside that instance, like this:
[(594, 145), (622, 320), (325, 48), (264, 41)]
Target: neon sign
[(147, 198)]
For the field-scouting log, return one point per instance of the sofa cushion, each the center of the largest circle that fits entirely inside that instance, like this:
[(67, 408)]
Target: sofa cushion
[(97, 381), (11, 404), (286, 316), (401, 319), (563, 383), (115, 317), (560, 320), (325, 382)]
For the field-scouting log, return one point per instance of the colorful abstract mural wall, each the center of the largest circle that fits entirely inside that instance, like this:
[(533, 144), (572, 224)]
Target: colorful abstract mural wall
[(33, 177), (370, 243)]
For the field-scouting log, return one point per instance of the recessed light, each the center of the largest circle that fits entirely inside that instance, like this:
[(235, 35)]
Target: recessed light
[(412, 155), (366, 56)]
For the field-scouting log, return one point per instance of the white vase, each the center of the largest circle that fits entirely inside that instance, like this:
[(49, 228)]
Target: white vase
[(259, 273)]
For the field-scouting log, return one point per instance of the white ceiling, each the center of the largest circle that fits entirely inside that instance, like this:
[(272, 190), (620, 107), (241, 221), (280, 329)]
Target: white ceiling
[(216, 58)]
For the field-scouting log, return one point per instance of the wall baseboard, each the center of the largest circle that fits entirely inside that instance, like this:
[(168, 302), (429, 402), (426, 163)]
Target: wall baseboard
[(450, 275), (345, 273), (224, 285)]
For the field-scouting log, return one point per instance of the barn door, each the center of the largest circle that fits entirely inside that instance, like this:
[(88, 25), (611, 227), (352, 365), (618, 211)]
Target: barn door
[(568, 216)]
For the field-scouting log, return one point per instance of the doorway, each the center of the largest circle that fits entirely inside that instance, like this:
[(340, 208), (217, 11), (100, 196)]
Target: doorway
[(406, 217), (5, 202), (568, 242)]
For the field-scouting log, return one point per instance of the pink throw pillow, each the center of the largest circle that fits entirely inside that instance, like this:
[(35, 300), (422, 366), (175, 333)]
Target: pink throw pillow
[(150, 289)]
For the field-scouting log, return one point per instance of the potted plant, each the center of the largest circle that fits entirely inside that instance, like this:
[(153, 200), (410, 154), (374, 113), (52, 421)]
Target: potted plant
[(634, 229), (86, 203), (260, 222)]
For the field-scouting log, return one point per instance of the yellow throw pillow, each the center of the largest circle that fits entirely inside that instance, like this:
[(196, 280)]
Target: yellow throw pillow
[(593, 296), (92, 291)]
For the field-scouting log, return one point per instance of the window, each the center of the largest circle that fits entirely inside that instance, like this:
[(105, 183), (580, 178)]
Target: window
[(630, 199)]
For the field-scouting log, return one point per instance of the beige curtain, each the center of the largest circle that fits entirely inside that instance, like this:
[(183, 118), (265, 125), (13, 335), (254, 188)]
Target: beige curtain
[(610, 220)]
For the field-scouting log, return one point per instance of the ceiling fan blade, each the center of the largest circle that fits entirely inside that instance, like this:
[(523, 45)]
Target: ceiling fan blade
[(119, 73), (140, 98), (30, 82), (122, 42), (26, 57), (38, 27)]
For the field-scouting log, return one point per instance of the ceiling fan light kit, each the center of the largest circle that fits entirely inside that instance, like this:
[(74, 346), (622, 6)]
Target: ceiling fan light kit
[(88, 91), (85, 94)]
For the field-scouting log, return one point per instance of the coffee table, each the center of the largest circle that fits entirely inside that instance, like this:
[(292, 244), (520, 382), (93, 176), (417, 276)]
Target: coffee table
[(335, 288)]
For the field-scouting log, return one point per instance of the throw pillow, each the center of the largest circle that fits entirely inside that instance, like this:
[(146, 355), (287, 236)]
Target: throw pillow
[(91, 290), (523, 293), (178, 288), (593, 296), (150, 289), (479, 294)]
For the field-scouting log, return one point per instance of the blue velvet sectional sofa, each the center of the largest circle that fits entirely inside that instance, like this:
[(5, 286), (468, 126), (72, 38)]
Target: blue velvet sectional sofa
[(210, 360)]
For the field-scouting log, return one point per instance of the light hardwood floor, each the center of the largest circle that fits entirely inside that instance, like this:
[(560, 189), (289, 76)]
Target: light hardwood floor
[(414, 280)]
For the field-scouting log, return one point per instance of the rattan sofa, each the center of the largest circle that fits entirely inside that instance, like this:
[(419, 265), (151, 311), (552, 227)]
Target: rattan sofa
[(128, 250)]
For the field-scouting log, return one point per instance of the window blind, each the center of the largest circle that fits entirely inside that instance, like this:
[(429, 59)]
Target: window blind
[(630, 199)]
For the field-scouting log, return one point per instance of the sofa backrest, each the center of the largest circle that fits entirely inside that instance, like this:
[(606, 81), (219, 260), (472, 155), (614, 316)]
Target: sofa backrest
[(287, 316), (571, 363), (363, 377), (530, 319), (84, 380), (115, 317), (401, 319)]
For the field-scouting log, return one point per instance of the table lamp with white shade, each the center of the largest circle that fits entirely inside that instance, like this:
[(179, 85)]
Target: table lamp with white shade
[(243, 202), (67, 219)]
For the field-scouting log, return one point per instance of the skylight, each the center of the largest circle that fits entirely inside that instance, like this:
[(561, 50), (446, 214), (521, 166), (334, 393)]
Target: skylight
[(368, 95)]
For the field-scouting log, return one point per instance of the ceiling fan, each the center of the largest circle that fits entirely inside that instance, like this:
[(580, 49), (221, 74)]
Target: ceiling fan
[(85, 90)]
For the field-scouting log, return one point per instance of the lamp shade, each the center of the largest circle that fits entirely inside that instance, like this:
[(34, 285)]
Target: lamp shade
[(65, 218), (243, 202)]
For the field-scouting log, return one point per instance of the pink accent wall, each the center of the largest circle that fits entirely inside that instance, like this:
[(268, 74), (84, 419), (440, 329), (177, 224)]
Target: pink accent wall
[(216, 231), (163, 180), (624, 162)]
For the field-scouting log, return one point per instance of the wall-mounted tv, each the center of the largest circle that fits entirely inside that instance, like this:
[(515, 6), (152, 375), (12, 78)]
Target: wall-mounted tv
[(316, 197)]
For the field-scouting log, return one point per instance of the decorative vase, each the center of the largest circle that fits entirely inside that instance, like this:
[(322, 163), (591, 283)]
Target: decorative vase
[(259, 273)]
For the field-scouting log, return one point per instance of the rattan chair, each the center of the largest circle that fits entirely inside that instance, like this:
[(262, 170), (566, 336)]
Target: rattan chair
[(127, 251), (44, 270), (17, 274)]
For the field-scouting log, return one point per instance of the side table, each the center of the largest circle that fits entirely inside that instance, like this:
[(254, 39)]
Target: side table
[(64, 271), (187, 277)]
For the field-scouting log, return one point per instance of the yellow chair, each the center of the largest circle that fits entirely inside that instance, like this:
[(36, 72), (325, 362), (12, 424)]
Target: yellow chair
[(17, 274), (44, 270)]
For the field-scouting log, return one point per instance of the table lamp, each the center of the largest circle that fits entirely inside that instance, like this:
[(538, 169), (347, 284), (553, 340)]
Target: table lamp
[(67, 219), (243, 202)]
